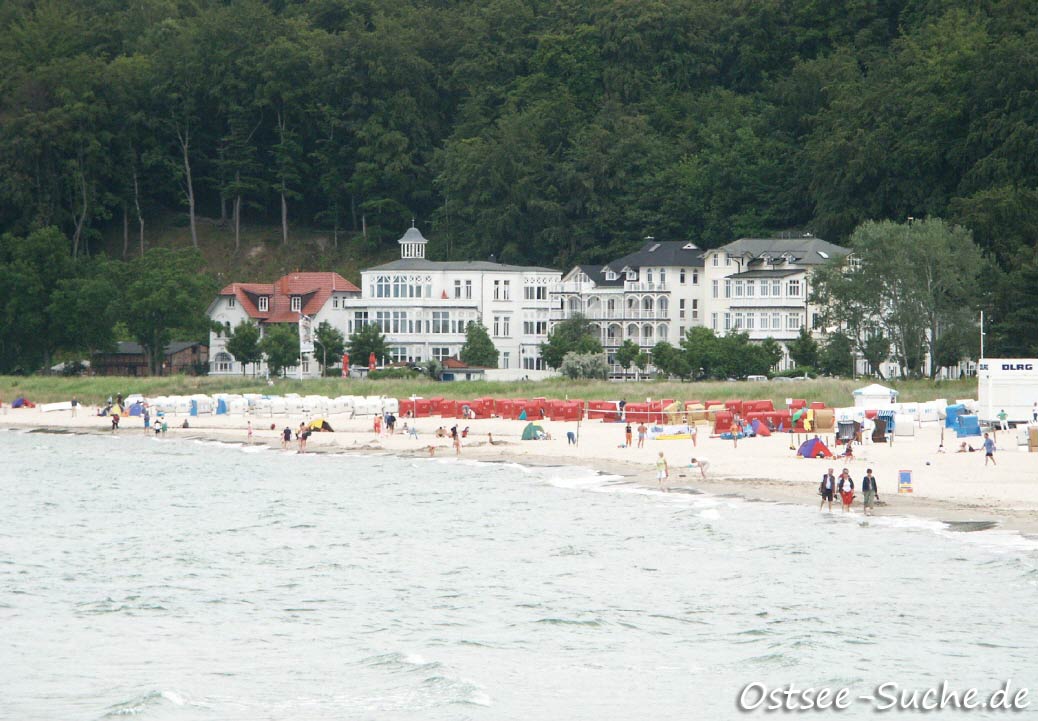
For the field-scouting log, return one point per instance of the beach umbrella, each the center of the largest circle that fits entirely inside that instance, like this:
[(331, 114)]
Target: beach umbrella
[(345, 365), (372, 362)]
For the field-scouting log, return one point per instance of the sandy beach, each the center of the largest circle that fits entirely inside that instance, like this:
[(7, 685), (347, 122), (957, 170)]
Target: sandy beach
[(950, 487)]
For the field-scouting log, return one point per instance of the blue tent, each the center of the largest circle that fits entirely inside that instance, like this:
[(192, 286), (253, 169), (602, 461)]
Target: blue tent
[(136, 409), (814, 448), (221, 406)]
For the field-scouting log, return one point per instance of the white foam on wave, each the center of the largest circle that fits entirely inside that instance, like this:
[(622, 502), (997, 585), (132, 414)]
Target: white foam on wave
[(710, 514)]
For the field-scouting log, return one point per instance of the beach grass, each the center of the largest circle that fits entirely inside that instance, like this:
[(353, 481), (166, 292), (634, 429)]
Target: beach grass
[(833, 392)]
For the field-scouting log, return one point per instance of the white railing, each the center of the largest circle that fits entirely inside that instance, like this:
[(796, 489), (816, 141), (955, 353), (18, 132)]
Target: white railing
[(611, 315), (632, 286)]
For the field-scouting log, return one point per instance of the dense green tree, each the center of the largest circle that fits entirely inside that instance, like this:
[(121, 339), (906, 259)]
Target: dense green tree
[(280, 347), (166, 297), (804, 350), (366, 340), (626, 354), (244, 344), (573, 335), (478, 350), (836, 356), (331, 341)]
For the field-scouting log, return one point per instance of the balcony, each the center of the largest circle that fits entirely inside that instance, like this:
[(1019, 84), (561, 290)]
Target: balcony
[(615, 315), (637, 287), (768, 301)]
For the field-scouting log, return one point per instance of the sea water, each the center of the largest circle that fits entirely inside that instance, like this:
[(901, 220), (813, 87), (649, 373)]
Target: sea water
[(177, 579)]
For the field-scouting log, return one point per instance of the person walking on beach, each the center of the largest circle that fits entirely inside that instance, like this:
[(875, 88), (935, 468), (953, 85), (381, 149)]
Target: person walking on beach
[(115, 422), (146, 415), (870, 491), (734, 430), (693, 431), (662, 471), (249, 433), (845, 487), (642, 430), (826, 489), (378, 425), (457, 442), (1003, 422), (627, 436), (75, 405), (286, 438), (989, 451)]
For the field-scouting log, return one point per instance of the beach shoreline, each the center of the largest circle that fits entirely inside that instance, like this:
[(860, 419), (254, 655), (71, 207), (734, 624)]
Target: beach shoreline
[(760, 469)]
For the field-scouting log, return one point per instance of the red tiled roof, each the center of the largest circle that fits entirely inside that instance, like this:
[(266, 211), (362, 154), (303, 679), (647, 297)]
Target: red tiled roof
[(315, 289), (454, 363)]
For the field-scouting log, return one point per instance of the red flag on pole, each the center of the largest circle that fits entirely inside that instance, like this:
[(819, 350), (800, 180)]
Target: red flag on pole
[(345, 365)]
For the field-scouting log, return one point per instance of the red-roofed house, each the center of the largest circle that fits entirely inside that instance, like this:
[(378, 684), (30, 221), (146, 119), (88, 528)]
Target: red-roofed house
[(313, 294)]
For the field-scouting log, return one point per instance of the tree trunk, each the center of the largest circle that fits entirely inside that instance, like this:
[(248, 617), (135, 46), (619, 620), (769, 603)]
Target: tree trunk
[(184, 137), (78, 234), (353, 213), (126, 230), (137, 203), (237, 213), (364, 225), (284, 215)]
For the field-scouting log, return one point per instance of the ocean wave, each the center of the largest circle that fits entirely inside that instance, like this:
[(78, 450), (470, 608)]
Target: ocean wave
[(149, 703)]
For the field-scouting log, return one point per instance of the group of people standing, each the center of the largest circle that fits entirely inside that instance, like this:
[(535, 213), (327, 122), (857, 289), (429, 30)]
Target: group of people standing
[(843, 487)]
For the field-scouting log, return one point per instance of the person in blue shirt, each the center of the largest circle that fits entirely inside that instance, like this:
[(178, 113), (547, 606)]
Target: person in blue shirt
[(989, 450)]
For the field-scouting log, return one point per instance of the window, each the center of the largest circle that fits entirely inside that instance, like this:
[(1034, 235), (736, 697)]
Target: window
[(816, 321), (400, 321), (398, 354), (611, 306), (749, 288), (497, 290), (609, 275), (457, 289), (727, 288), (681, 332), (263, 304), (468, 290), (506, 326), (793, 288), (335, 302), (360, 319), (382, 288), (727, 259), (505, 290), (738, 288), (400, 286), (715, 286), (750, 321), (223, 363), (727, 321), (663, 276), (535, 292), (715, 260), (695, 276), (441, 321), (738, 321), (681, 308), (648, 275), (776, 321), (533, 364), (296, 303), (661, 332), (764, 287), (793, 321), (681, 276), (382, 320), (713, 321), (776, 288), (441, 353), (695, 309), (506, 359), (306, 366), (231, 302), (535, 327)]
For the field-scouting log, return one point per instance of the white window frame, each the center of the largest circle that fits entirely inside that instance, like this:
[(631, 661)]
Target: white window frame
[(263, 304)]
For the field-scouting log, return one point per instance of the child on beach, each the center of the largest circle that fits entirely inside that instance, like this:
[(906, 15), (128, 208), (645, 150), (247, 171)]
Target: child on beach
[(662, 471), (627, 436), (250, 433), (701, 463), (989, 451), (286, 437)]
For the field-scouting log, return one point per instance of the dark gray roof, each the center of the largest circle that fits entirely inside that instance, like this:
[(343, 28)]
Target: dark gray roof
[(805, 250), (597, 275), (130, 348), (474, 265), (666, 253), (767, 273)]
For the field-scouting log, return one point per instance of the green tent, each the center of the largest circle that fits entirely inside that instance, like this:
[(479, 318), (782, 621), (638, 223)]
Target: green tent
[(531, 431)]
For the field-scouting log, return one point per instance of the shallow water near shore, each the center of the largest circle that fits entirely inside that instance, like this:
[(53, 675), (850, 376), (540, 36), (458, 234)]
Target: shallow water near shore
[(174, 579)]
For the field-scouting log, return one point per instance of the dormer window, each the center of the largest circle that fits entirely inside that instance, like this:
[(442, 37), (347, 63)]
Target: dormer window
[(610, 275), (263, 304), (631, 275), (230, 302), (297, 303)]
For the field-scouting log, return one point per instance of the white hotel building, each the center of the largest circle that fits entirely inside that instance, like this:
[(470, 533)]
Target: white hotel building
[(762, 286), (423, 307)]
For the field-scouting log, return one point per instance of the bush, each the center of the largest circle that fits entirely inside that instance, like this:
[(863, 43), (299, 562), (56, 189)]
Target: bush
[(585, 365), (393, 374)]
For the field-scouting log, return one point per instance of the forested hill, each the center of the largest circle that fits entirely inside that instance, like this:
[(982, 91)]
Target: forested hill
[(543, 131)]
